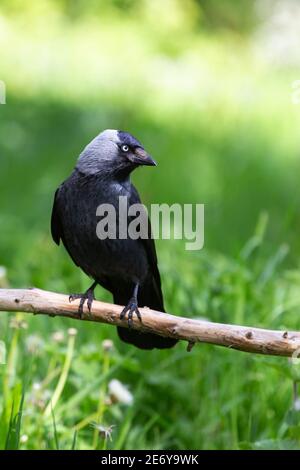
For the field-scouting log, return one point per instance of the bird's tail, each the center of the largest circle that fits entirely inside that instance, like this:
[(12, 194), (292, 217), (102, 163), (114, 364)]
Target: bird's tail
[(150, 295)]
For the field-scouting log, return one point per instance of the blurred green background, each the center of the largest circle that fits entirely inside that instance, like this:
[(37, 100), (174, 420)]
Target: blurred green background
[(207, 86)]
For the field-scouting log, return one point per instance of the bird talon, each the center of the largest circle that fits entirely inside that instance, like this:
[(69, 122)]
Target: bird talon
[(123, 313), (131, 308), (86, 296), (138, 314), (74, 297)]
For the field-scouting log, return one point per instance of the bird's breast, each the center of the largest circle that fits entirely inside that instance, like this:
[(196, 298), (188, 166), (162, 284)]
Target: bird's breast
[(100, 257)]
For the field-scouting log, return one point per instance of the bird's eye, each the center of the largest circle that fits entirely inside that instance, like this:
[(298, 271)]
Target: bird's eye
[(125, 148)]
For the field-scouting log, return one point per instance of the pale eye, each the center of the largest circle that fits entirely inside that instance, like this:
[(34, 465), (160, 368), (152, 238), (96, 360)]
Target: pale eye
[(125, 148)]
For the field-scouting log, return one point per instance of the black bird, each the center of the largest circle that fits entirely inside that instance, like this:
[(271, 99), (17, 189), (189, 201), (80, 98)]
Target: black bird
[(125, 267)]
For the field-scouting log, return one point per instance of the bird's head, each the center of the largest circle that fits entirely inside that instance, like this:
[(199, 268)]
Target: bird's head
[(113, 152)]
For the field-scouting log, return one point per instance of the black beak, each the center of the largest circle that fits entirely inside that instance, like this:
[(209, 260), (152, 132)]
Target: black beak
[(141, 157)]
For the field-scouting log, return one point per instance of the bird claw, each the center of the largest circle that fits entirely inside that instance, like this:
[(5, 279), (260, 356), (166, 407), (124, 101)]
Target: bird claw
[(86, 296), (131, 308)]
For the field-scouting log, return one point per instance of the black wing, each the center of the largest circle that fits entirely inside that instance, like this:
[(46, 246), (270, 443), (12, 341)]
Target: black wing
[(149, 246), (56, 226)]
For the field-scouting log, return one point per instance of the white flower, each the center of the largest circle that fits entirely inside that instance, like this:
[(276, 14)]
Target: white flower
[(24, 438), (36, 386), (104, 431), (18, 324), (58, 336), (72, 331), (119, 393), (107, 345), (34, 344)]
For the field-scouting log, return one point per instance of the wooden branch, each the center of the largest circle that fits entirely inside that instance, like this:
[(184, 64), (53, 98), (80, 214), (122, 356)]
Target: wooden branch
[(243, 338)]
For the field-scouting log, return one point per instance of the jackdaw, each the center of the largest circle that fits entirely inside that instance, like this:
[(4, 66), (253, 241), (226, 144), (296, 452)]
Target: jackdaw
[(125, 267)]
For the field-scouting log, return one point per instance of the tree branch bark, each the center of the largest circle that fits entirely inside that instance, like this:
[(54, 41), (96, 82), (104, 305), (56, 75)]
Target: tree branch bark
[(243, 338)]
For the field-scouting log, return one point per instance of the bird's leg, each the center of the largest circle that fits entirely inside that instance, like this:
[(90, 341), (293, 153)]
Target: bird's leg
[(86, 296), (132, 307)]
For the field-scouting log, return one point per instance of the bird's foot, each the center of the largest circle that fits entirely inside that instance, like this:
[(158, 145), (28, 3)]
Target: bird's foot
[(131, 308), (87, 297)]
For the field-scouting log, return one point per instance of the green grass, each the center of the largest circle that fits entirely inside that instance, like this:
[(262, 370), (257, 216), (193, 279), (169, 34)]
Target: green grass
[(221, 124), (210, 398)]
